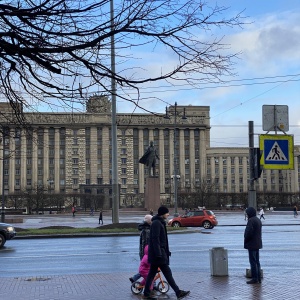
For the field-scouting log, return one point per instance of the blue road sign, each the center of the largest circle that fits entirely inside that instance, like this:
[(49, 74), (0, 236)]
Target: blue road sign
[(278, 151)]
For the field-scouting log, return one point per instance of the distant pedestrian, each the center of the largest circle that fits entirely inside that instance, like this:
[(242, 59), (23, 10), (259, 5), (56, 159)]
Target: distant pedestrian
[(261, 213), (159, 254), (101, 217), (73, 210), (245, 214), (92, 211), (295, 209), (253, 242)]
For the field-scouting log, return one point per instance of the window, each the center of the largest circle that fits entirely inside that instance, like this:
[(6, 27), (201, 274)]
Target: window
[(75, 161), (135, 181), (123, 171), (87, 161), (18, 172), (18, 161), (17, 181), (75, 181), (40, 171), (28, 181), (88, 181), (124, 181), (123, 151), (75, 141), (124, 160), (62, 161), (29, 161), (51, 161), (75, 151), (123, 142), (28, 171), (75, 171), (6, 172)]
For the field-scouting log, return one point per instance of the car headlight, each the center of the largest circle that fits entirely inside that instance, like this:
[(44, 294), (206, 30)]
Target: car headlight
[(10, 229)]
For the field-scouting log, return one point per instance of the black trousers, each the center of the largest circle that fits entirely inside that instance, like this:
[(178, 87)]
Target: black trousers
[(167, 273)]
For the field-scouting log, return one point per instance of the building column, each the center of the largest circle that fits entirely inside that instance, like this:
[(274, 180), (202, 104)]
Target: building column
[(161, 161), (245, 175), (202, 154), (12, 168), (221, 175), (181, 158), (46, 157), (106, 166), (34, 157), (56, 160), (141, 166), (192, 159), (23, 183), (93, 155)]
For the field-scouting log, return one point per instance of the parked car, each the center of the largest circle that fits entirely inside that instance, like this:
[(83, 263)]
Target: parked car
[(7, 232), (196, 218)]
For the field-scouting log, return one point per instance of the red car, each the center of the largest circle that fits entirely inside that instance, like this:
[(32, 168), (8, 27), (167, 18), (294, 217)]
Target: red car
[(196, 218)]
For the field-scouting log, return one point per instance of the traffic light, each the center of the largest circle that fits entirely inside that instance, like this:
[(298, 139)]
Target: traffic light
[(257, 168)]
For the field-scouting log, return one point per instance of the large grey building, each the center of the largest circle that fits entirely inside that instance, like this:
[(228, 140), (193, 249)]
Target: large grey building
[(70, 153)]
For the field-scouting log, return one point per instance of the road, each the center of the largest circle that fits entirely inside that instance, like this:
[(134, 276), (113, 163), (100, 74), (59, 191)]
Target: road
[(190, 251)]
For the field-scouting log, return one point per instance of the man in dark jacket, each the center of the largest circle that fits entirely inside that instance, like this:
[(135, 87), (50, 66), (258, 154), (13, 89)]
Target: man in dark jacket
[(253, 242), (158, 254)]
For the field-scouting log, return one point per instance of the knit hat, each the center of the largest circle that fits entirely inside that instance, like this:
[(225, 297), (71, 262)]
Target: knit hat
[(162, 210), (148, 218)]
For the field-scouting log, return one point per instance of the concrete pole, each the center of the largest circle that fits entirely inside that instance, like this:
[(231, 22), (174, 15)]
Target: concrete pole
[(252, 191), (115, 186), (175, 170), (3, 190)]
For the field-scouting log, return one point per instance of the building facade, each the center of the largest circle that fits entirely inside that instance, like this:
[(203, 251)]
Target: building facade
[(70, 153)]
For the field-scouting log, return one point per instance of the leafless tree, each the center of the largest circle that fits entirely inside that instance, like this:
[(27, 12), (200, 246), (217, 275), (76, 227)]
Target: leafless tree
[(58, 52)]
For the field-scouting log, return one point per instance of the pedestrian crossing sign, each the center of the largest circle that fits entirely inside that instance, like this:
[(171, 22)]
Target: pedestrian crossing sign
[(277, 151)]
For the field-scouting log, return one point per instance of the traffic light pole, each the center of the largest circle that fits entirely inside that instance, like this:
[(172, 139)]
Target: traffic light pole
[(251, 192)]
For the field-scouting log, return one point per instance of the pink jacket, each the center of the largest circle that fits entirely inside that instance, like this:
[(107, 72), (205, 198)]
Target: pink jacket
[(144, 265)]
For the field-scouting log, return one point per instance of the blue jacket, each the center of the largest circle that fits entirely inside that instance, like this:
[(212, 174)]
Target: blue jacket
[(253, 235)]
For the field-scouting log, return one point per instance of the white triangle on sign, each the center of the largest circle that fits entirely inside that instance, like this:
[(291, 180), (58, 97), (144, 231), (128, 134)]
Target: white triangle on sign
[(276, 154)]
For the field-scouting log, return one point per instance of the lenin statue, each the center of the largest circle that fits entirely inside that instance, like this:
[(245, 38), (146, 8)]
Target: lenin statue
[(149, 159)]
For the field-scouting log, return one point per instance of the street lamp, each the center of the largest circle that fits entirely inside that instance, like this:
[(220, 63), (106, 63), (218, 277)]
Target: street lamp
[(175, 176), (4, 132)]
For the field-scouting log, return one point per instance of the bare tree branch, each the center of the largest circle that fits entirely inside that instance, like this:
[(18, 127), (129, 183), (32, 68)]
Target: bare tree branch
[(59, 51)]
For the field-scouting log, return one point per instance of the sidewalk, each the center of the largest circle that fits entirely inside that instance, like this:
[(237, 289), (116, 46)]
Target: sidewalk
[(116, 286), (275, 285)]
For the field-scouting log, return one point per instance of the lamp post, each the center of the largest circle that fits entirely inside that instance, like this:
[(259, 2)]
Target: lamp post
[(175, 176), (3, 197), (115, 186)]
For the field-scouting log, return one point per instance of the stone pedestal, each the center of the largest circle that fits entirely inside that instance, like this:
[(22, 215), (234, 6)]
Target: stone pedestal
[(152, 194)]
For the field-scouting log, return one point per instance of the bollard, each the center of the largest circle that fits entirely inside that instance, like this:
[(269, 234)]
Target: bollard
[(218, 261)]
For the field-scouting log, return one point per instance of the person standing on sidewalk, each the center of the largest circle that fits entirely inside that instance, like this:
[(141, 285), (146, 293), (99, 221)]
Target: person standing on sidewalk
[(261, 213), (253, 242), (101, 217), (158, 254)]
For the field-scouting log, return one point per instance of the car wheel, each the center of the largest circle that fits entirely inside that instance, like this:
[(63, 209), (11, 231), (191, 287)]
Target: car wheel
[(2, 240), (176, 224), (206, 224)]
